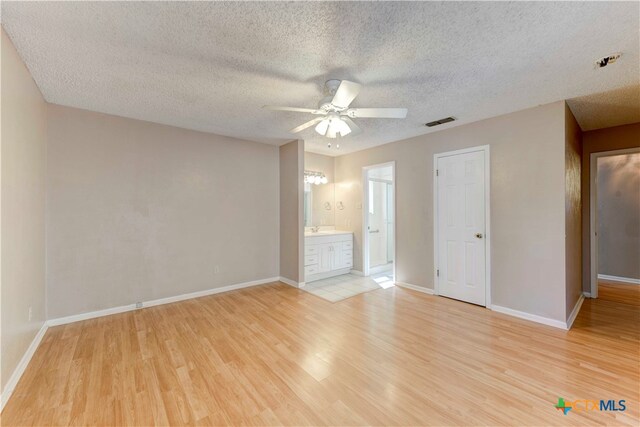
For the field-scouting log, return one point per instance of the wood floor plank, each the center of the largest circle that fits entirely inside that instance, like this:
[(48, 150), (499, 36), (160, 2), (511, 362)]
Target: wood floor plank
[(275, 355), (619, 292)]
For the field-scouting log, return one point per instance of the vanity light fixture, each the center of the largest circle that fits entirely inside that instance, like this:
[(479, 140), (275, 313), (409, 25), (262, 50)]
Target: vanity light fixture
[(313, 177)]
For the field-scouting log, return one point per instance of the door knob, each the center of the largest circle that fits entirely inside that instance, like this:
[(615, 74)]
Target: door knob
[(479, 235)]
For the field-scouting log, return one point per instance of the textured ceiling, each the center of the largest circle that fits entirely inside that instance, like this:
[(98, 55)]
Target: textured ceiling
[(600, 110), (211, 66)]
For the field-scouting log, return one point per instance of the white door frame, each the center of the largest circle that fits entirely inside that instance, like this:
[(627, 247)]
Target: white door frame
[(593, 210), (366, 269), (487, 216)]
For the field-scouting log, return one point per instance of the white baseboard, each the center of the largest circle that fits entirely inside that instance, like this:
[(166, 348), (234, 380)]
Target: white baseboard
[(291, 282), (618, 279), (22, 365), (151, 303), (427, 291), (509, 311), (587, 294), (528, 316), (356, 273), (575, 311), (90, 315), (209, 292)]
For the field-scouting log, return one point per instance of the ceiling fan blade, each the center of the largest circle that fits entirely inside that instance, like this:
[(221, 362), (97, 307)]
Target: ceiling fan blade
[(379, 113), (306, 125), (355, 129), (346, 93), (298, 110)]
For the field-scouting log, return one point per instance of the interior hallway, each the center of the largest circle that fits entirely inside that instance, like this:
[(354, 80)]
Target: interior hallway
[(278, 355)]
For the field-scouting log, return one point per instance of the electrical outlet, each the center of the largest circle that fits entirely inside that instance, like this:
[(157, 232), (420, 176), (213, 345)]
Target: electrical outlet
[(216, 269), (138, 304), (30, 313)]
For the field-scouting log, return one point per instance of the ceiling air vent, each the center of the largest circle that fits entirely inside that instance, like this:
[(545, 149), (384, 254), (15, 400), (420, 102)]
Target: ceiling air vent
[(440, 122)]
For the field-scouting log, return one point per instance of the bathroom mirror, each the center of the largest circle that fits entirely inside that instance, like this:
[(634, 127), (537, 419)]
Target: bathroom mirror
[(319, 204), (319, 190)]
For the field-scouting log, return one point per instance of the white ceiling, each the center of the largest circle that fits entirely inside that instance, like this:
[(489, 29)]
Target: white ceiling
[(212, 66)]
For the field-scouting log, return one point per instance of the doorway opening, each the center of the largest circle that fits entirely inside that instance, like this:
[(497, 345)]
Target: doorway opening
[(615, 224), (379, 221)]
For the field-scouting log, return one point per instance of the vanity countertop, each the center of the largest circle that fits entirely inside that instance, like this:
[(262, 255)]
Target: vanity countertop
[(326, 233)]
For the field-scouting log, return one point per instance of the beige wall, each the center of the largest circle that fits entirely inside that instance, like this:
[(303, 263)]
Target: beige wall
[(291, 210), (320, 163), (595, 141), (619, 216), (139, 211), (23, 134), (527, 204), (573, 211), (322, 193)]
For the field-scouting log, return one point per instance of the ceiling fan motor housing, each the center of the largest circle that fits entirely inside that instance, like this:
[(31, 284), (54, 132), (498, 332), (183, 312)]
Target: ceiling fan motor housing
[(332, 86), (325, 104)]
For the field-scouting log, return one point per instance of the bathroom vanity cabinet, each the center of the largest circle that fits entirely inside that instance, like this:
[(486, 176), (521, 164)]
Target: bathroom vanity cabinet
[(327, 254)]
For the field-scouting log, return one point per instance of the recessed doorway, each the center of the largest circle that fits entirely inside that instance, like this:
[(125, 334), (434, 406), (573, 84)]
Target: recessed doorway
[(379, 214), (615, 219)]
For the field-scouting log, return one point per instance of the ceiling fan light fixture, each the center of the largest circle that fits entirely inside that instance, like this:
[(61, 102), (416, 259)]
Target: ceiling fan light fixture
[(335, 115), (333, 127), (342, 127), (322, 127)]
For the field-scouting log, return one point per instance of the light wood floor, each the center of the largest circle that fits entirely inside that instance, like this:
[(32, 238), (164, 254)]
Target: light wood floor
[(616, 292), (275, 355)]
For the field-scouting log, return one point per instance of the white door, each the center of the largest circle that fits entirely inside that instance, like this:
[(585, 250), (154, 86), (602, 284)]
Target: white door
[(377, 223), (390, 219), (461, 227)]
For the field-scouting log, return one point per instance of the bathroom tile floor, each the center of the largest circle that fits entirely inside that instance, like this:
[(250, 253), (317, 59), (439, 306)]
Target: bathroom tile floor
[(342, 287)]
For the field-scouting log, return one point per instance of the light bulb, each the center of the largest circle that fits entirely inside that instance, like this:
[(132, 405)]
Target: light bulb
[(317, 180), (322, 127), (324, 180), (342, 127)]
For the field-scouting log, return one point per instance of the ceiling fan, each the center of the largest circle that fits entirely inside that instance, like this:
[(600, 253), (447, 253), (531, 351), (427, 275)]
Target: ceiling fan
[(335, 114)]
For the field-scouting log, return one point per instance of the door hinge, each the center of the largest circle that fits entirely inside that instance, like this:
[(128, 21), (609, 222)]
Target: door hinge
[(437, 273), (437, 172)]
